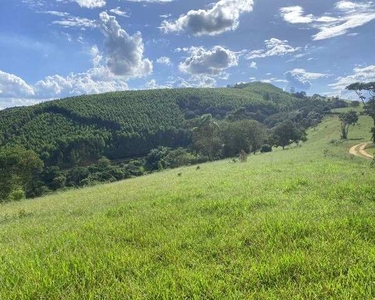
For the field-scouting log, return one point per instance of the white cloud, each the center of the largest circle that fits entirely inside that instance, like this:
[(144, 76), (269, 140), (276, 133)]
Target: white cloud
[(78, 22), (346, 16), (165, 16), (94, 81), (222, 17), (96, 56), (124, 53), (164, 60), (308, 75), (360, 74), (55, 13), (152, 85), (14, 91), (274, 80), (152, 1), (12, 86), (295, 15), (208, 62), (90, 3), (351, 6), (119, 12), (274, 47), (300, 79), (253, 65)]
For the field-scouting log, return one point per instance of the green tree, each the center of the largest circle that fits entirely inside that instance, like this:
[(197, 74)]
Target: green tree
[(369, 106), (347, 119), (206, 137), (287, 133), (246, 135), (18, 168)]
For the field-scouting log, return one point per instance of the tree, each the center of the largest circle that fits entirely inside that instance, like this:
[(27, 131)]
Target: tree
[(287, 133), (347, 119), (355, 104), (369, 106), (206, 139), (246, 135), (18, 168)]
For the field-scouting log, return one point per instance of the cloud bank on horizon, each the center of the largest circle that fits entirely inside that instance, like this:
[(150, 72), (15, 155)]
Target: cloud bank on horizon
[(59, 48)]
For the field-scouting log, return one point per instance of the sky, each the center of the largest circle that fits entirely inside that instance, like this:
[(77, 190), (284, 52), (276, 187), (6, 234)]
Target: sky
[(52, 49)]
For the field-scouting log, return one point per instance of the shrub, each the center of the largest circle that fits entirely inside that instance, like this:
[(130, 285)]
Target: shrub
[(17, 195), (266, 148)]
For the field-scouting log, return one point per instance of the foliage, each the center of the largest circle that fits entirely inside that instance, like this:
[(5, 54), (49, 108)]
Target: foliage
[(246, 135), (18, 168), (355, 103), (369, 105), (266, 148), (287, 133), (72, 134), (347, 119), (206, 137)]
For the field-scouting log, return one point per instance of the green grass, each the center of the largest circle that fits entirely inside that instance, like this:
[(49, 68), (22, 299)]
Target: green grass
[(371, 149), (294, 224)]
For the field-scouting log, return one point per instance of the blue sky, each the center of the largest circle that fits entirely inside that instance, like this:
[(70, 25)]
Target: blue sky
[(57, 48)]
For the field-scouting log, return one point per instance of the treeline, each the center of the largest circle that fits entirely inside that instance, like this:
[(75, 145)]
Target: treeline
[(210, 141)]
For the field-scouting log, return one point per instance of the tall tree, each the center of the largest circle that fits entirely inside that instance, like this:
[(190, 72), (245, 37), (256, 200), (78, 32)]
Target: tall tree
[(246, 135), (287, 133), (347, 119), (17, 170), (206, 138), (368, 100)]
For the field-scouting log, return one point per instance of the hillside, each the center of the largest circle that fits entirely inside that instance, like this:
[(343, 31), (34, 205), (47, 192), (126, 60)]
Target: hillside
[(128, 124), (293, 224)]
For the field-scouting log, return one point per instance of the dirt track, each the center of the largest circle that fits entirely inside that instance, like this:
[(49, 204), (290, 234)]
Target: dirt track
[(359, 150)]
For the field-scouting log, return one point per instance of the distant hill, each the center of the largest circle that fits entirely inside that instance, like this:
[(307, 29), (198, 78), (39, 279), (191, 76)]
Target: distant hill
[(131, 123)]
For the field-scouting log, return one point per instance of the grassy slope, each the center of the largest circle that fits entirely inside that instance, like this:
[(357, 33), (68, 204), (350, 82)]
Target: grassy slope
[(287, 225)]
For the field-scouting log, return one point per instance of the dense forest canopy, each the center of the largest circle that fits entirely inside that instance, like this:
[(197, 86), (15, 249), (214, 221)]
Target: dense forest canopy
[(71, 134)]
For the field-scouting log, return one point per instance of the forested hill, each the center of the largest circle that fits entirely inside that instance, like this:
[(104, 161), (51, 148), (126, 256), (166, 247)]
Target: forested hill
[(131, 123), (84, 140)]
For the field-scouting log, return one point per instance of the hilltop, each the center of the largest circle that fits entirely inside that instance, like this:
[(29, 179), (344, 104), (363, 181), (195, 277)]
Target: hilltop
[(293, 224)]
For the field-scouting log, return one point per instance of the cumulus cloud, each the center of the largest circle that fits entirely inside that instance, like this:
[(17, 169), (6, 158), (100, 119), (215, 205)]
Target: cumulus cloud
[(360, 74), (124, 53), (164, 60), (295, 15), (274, 47), (90, 3), (222, 17), (300, 79), (96, 56), (345, 16), (12, 86), (208, 62), (94, 81)]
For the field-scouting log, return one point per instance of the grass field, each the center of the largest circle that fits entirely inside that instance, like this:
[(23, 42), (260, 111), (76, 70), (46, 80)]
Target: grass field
[(293, 224), (371, 149)]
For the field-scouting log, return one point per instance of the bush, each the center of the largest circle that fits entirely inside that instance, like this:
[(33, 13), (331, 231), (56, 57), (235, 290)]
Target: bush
[(355, 104), (17, 195), (266, 148)]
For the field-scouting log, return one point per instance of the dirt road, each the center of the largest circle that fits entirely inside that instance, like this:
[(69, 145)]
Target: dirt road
[(359, 150)]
